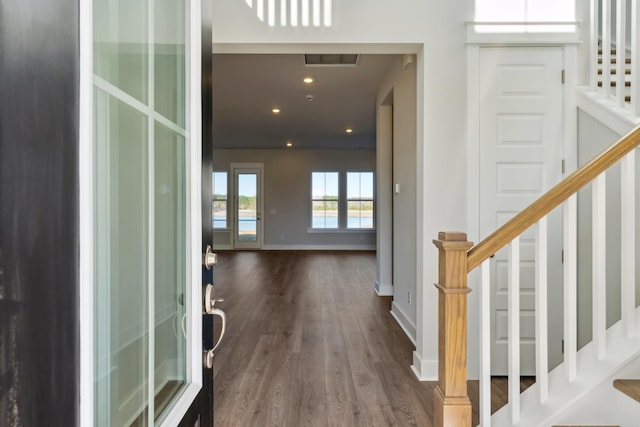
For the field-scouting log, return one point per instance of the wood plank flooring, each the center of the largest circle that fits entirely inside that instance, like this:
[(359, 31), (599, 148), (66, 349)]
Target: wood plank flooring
[(309, 343)]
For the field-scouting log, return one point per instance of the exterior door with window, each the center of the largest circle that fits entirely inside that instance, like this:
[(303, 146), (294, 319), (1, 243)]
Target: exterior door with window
[(248, 206), (148, 237)]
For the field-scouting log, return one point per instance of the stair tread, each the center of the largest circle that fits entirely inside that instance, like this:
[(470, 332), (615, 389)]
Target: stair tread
[(629, 387)]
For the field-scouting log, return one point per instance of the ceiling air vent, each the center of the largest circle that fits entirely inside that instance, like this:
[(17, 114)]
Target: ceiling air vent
[(312, 60)]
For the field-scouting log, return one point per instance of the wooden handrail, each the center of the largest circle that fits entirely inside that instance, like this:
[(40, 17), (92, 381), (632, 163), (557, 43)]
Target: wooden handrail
[(552, 199)]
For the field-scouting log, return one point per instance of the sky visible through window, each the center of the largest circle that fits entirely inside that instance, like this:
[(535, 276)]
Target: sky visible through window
[(220, 203)]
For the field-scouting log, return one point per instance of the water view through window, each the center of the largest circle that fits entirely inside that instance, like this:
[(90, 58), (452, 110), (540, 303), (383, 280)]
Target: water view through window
[(247, 220), (359, 199), (219, 203), (324, 200)]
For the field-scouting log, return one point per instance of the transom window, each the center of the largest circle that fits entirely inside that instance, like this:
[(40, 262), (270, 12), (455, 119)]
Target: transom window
[(537, 12)]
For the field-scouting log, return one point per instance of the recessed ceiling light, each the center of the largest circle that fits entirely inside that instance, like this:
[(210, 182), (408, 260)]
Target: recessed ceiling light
[(275, 110), (349, 130), (308, 80)]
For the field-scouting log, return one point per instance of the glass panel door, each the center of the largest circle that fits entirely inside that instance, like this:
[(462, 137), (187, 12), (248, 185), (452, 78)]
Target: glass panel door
[(248, 201), (143, 280)]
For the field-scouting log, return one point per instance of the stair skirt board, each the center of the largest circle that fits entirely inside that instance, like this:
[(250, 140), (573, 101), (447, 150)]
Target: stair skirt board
[(621, 361)]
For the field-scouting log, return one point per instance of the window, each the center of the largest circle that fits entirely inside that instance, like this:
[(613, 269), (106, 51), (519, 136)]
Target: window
[(514, 11), (360, 200), (219, 204), (324, 200)]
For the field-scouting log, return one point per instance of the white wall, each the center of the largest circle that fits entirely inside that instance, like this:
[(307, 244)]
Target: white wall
[(287, 191), (435, 32), (400, 83)]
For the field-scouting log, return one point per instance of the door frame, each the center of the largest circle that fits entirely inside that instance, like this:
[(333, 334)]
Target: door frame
[(235, 168), (87, 235), (569, 154)]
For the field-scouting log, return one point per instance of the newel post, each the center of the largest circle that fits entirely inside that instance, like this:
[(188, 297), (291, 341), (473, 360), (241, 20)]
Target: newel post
[(452, 407)]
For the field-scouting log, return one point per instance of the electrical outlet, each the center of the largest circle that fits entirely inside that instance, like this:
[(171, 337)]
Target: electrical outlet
[(409, 296)]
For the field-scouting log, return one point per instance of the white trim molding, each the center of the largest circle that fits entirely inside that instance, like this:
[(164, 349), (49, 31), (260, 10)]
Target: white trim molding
[(403, 320), (319, 247), (424, 370), (383, 290)]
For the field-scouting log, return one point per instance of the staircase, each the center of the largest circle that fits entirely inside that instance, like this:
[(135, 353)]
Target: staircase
[(580, 391)]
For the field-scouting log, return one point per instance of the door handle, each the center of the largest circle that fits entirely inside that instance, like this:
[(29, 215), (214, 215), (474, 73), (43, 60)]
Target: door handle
[(209, 259), (209, 308), (208, 354), (209, 299)]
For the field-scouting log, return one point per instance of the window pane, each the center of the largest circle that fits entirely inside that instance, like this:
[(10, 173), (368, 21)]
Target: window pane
[(500, 10), (366, 185), (324, 185), (331, 185), (360, 200), (220, 185), (324, 203), (523, 10), (360, 185), (219, 213), (324, 214), (360, 214)]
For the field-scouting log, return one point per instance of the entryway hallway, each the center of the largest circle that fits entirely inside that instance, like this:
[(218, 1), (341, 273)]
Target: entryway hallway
[(309, 343)]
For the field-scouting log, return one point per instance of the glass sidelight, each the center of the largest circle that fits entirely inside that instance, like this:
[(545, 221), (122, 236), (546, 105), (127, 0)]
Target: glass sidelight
[(142, 342)]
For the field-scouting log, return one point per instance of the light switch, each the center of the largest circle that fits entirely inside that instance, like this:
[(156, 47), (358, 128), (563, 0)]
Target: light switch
[(396, 188)]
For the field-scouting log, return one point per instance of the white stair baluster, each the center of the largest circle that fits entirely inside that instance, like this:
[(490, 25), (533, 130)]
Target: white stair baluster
[(635, 60), (485, 344), (628, 250), (514, 329), (542, 338), (594, 23), (621, 50), (606, 49), (599, 266), (570, 293)]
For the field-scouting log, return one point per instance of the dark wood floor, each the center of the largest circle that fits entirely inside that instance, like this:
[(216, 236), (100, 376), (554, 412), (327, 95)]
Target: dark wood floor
[(309, 343)]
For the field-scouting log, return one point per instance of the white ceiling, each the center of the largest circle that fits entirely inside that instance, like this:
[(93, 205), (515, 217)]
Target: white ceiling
[(247, 87)]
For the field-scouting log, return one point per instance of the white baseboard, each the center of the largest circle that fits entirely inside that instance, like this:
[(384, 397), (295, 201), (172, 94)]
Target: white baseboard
[(383, 290), (319, 247), (405, 323), (424, 370)]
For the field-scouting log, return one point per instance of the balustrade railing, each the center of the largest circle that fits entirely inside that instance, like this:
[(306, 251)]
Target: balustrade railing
[(452, 407), (614, 45)]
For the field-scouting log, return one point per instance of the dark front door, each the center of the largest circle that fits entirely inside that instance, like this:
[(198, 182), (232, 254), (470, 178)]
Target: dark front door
[(39, 282)]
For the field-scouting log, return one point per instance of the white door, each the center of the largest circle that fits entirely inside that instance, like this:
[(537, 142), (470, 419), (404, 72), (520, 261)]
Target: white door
[(520, 159), (247, 191)]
